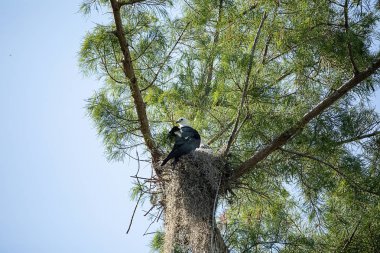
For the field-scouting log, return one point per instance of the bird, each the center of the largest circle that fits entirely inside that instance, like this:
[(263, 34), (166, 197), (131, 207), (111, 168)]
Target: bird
[(187, 139)]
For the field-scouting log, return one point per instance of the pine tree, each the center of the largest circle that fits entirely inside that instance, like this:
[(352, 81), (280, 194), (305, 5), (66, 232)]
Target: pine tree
[(280, 93)]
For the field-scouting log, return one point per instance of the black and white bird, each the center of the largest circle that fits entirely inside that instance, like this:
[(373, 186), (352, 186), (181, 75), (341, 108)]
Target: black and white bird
[(187, 139)]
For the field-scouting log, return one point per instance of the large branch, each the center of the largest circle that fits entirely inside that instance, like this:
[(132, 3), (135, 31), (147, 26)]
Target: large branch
[(288, 134), (130, 74)]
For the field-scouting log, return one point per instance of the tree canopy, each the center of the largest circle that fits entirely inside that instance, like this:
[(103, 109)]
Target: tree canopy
[(281, 90)]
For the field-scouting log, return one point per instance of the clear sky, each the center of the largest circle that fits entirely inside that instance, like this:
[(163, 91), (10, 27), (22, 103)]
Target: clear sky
[(57, 191)]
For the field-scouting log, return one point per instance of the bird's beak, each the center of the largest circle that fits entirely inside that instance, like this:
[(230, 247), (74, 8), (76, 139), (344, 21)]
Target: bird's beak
[(177, 121)]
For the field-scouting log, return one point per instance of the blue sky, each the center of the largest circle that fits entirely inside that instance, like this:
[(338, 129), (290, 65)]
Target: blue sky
[(57, 191)]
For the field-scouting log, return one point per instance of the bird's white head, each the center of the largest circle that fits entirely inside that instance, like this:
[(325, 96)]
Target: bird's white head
[(183, 122)]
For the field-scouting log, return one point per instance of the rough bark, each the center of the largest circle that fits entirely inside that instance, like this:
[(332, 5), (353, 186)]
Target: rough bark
[(190, 191)]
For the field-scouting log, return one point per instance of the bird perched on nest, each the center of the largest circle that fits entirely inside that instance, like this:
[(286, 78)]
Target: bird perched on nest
[(187, 139)]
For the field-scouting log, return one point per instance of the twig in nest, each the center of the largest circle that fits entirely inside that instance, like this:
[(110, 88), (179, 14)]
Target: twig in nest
[(153, 206)]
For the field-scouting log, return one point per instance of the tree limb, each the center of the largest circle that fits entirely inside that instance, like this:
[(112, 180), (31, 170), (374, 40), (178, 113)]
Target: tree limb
[(349, 46), (135, 91), (210, 64), (351, 237), (358, 138), (129, 2), (245, 89), (296, 128), (166, 58), (334, 168)]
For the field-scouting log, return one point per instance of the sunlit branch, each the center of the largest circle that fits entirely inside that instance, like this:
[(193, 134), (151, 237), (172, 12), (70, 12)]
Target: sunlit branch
[(296, 128)]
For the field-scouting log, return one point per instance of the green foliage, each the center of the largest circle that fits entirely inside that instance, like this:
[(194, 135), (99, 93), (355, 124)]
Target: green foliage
[(321, 191), (157, 241)]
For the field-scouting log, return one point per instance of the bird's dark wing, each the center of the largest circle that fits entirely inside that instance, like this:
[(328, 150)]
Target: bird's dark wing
[(189, 132), (186, 142), (173, 131), (191, 136)]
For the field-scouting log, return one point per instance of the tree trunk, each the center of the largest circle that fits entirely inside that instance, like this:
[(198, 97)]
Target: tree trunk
[(190, 191)]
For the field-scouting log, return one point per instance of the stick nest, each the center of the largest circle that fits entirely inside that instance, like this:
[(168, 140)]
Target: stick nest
[(189, 196)]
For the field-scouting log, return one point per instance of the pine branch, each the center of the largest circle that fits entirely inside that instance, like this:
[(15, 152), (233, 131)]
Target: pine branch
[(347, 30), (129, 2), (245, 89), (130, 74), (349, 180), (220, 133), (295, 129), (166, 58), (347, 243), (210, 64), (358, 138)]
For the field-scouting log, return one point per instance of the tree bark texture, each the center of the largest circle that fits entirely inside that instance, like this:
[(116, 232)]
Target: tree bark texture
[(190, 192)]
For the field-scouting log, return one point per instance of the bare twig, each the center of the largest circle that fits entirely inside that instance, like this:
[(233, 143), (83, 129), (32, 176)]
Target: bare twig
[(134, 211), (145, 233), (213, 213)]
